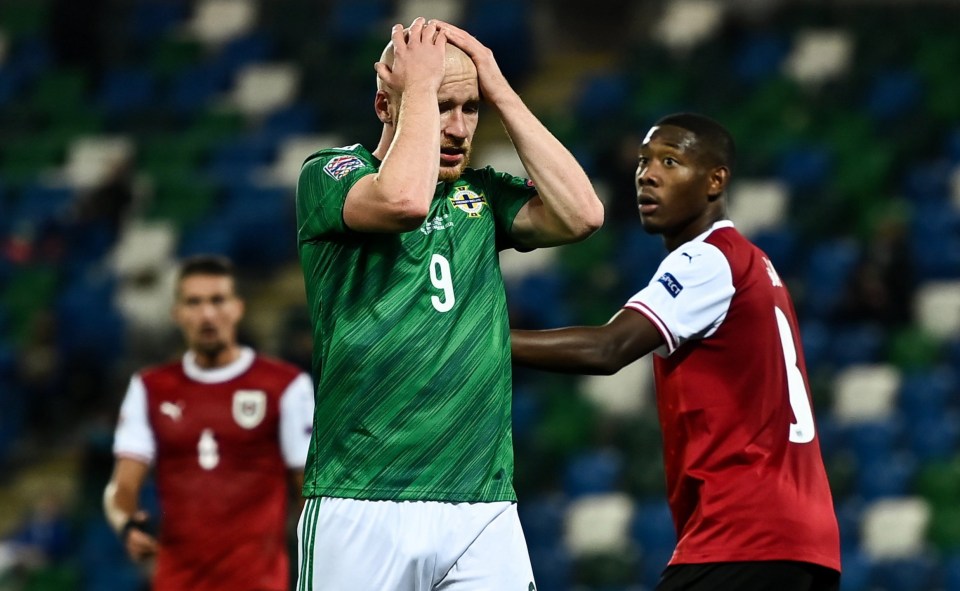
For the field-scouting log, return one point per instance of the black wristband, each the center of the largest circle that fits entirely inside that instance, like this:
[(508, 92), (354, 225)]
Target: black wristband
[(129, 525)]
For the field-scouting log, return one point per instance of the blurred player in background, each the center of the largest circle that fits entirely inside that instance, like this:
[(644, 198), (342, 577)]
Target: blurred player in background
[(409, 480), (745, 479), (226, 431)]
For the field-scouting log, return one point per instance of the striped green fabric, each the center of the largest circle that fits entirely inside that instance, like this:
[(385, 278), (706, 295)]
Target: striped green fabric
[(411, 340), (308, 538)]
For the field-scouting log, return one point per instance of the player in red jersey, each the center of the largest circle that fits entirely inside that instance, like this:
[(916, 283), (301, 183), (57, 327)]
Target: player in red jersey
[(226, 431), (745, 479)]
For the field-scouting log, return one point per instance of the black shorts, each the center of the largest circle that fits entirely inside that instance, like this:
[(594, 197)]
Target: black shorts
[(774, 575)]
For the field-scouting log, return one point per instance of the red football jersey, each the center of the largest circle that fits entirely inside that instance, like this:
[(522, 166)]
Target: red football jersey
[(745, 477), (221, 475)]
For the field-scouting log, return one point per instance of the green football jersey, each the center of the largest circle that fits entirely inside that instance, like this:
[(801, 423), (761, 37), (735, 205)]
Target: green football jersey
[(411, 355)]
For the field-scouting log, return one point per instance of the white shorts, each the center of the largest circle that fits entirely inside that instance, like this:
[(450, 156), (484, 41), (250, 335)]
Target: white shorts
[(354, 545)]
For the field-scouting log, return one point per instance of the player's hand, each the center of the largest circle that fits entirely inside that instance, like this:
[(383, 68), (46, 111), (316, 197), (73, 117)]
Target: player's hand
[(137, 539), (493, 84), (418, 62)]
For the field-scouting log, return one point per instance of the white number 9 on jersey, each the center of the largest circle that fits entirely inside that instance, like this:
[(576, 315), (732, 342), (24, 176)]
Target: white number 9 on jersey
[(441, 278)]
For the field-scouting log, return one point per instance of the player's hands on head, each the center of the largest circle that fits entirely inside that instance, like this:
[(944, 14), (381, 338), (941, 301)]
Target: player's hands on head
[(418, 61), (493, 84)]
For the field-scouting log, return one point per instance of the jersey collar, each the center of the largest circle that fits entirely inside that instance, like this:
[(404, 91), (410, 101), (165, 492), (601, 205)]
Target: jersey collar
[(716, 226), (219, 374)]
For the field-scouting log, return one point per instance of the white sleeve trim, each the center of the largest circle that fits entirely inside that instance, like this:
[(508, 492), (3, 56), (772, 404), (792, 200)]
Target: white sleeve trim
[(134, 436), (296, 421), (689, 296)]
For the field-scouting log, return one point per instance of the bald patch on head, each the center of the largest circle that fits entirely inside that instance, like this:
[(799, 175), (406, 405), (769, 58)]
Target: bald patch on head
[(455, 61)]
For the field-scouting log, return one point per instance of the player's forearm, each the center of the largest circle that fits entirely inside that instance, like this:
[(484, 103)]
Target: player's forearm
[(118, 506), (573, 209), (563, 350), (407, 178)]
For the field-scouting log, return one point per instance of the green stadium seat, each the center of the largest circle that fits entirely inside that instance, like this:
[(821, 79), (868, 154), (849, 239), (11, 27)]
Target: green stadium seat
[(22, 158), (181, 198), (59, 92), (23, 17), (939, 483), (173, 54), (912, 348), (30, 291), (174, 154), (944, 529)]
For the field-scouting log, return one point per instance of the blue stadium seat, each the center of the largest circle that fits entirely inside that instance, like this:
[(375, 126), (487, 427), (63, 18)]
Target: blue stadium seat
[(150, 20), (194, 88), (211, 235), (86, 245), (857, 345), (526, 298), (236, 159), (41, 204), (893, 93), (126, 89), (935, 235), (106, 566), (88, 325), (553, 567), (653, 531), (849, 516), (243, 51), (830, 432), (297, 118), (760, 55), (934, 437), (260, 219), (652, 525), (926, 393), (828, 266), (593, 471), (601, 96), (350, 21), (780, 244), (815, 336), (11, 83), (526, 412), (951, 357), (504, 27), (953, 145), (542, 518), (927, 181), (874, 441), (30, 58), (637, 257), (951, 572), (805, 167), (857, 570), (884, 476), (918, 573)]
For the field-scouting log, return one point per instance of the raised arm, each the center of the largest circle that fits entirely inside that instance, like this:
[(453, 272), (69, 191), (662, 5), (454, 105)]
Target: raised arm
[(567, 207), (600, 350), (397, 197)]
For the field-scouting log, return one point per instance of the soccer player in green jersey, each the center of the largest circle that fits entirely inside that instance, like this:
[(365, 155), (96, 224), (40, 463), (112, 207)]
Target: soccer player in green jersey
[(409, 478)]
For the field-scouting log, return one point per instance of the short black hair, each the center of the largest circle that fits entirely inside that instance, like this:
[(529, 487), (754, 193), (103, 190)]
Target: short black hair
[(714, 138), (206, 264)]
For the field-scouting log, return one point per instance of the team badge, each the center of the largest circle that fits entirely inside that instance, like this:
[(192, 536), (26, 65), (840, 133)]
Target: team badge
[(249, 407), (340, 166), (467, 201)]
